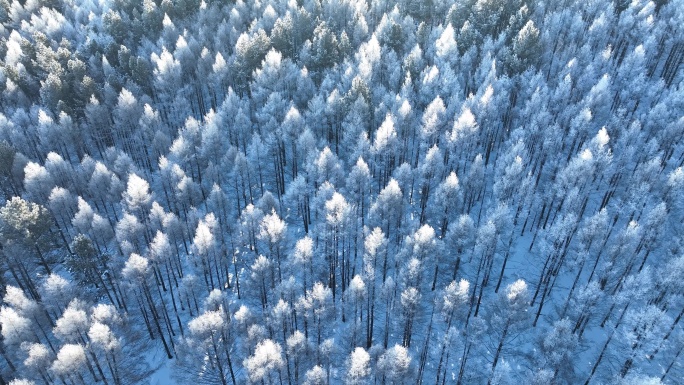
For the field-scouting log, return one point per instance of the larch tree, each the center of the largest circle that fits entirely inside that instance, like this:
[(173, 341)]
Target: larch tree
[(103, 187), (337, 219), (205, 249), (38, 360), (385, 148), (460, 237), (358, 185), (375, 247), (319, 306), (105, 347), (62, 205), (485, 246), (326, 167), (73, 327), (302, 256), (395, 365), (433, 122), (210, 333), (511, 315), (130, 234), (430, 171), (316, 376), (357, 293), (167, 74), (453, 303), (137, 272), (386, 210), (56, 292), (358, 367), (447, 200), (272, 231), (557, 351), (266, 363), (641, 333), (410, 303), (261, 273), (70, 361), (16, 328), (83, 217), (137, 197)]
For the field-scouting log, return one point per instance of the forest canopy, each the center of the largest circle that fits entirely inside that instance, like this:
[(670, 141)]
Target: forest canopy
[(341, 192)]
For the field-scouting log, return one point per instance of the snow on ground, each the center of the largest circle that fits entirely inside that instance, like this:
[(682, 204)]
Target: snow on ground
[(162, 375)]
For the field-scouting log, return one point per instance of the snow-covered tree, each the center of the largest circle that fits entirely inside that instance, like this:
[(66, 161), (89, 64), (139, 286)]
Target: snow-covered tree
[(272, 232), (395, 365), (210, 334), (511, 315), (266, 362), (358, 367)]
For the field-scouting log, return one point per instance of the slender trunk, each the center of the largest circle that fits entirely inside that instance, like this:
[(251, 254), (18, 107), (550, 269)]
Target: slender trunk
[(155, 318), (605, 347), (173, 301), (503, 269), (98, 367), (42, 260), (547, 290), (145, 317), (669, 367), (424, 353), (218, 364), (498, 350), (370, 318), (472, 296), (464, 360), (572, 289)]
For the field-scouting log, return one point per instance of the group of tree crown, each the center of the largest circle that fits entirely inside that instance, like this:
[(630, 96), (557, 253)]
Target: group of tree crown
[(322, 192)]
